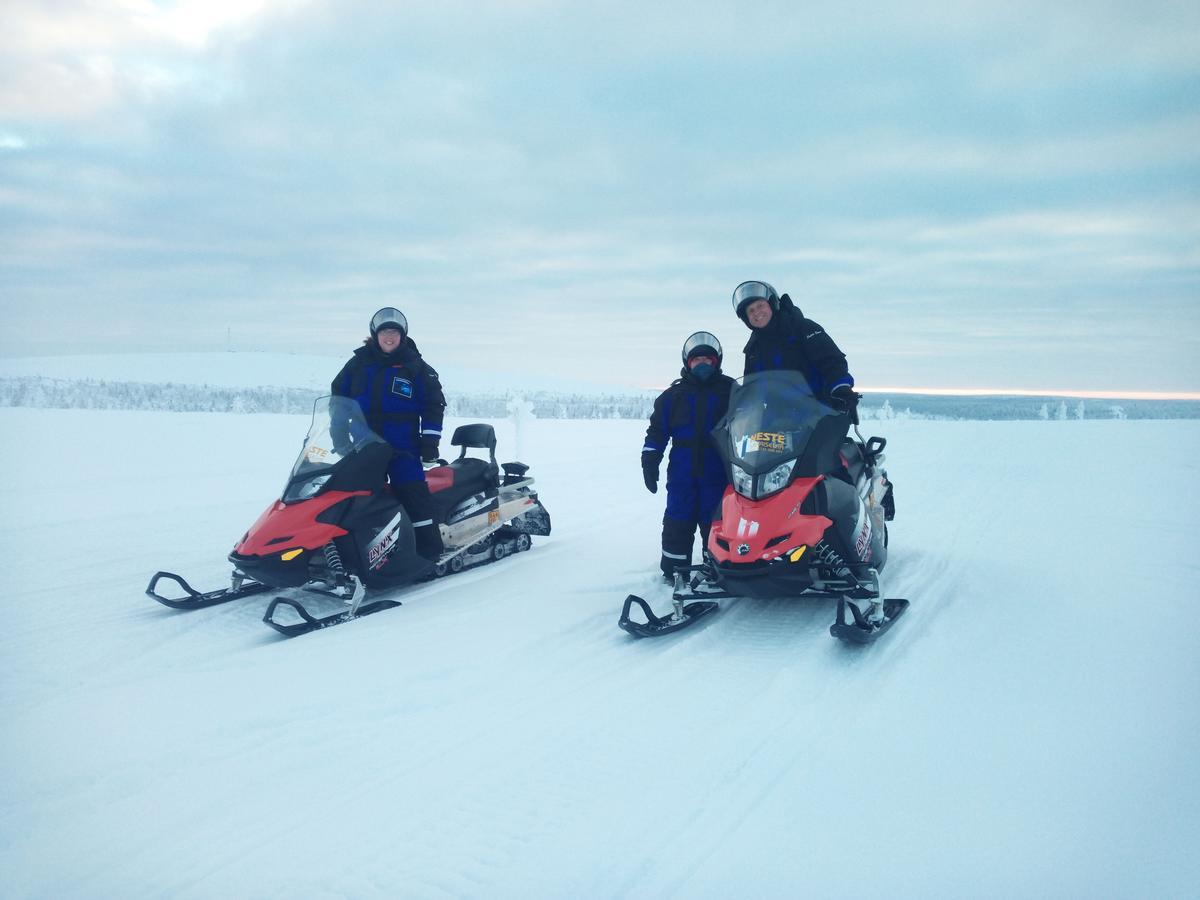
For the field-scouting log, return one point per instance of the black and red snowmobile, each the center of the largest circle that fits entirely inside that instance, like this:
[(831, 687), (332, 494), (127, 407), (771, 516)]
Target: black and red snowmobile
[(805, 514), (339, 530)]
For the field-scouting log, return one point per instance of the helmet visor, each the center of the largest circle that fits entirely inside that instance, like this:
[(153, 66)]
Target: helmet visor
[(702, 341), (389, 317), (749, 291)]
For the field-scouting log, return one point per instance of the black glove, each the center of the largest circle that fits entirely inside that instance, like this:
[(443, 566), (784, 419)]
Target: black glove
[(650, 462), (429, 449), (844, 399)]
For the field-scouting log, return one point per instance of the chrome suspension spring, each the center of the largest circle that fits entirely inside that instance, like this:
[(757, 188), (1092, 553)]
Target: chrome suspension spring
[(827, 556), (334, 560)]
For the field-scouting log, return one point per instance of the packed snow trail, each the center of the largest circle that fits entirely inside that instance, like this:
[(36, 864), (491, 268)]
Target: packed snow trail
[(1028, 729)]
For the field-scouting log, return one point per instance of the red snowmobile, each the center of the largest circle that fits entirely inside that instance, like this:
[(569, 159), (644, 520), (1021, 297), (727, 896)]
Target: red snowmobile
[(804, 515), (338, 529)]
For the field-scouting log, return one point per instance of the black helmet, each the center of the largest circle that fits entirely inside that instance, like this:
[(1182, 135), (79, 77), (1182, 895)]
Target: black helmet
[(702, 343), (389, 317), (749, 291)]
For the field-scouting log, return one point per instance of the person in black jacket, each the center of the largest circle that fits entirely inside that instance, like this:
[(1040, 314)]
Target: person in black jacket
[(684, 414), (783, 338), (402, 399)]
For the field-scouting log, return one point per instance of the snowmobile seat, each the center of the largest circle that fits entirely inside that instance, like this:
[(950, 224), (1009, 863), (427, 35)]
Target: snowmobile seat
[(469, 468)]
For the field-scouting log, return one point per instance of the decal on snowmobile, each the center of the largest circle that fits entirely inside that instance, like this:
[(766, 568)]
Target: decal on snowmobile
[(768, 441), (315, 454), (746, 528), (862, 542), (379, 548)]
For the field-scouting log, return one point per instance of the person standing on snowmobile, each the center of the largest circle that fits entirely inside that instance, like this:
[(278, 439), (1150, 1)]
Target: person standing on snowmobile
[(402, 399), (783, 338), (684, 414)]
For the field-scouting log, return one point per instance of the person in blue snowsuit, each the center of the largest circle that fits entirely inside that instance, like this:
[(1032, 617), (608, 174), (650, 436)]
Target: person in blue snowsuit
[(684, 414), (782, 337), (402, 399)]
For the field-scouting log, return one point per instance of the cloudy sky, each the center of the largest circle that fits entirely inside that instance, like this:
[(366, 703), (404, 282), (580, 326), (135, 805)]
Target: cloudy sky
[(1002, 195)]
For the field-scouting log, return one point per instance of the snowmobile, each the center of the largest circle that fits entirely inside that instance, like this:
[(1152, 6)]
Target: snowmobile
[(339, 530), (805, 514)]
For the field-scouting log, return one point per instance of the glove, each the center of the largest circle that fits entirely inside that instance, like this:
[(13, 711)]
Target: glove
[(429, 449), (650, 462), (844, 399)]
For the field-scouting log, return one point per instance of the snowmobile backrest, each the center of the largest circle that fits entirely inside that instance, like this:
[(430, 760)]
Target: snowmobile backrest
[(874, 449), (477, 435)]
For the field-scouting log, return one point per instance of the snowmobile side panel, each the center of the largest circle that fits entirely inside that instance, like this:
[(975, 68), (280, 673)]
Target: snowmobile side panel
[(309, 623), (197, 600), (654, 626), (858, 630)]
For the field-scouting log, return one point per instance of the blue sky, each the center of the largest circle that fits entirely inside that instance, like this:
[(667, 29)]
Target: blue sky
[(996, 196)]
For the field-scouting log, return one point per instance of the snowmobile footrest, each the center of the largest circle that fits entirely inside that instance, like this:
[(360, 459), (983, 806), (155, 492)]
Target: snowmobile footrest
[(654, 625), (195, 599), (858, 629), (309, 623)]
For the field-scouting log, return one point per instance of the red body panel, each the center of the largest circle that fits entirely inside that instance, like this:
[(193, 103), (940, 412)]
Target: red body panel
[(439, 478), (755, 523), (295, 521)]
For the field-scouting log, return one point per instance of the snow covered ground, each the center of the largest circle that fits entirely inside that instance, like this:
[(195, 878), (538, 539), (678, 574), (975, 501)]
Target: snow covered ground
[(1030, 729)]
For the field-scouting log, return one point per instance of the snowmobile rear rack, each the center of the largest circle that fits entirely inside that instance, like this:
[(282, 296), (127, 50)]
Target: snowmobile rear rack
[(311, 623), (241, 587), (860, 629)]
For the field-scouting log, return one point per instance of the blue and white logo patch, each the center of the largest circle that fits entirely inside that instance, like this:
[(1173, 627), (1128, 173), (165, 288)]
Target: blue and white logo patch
[(402, 387)]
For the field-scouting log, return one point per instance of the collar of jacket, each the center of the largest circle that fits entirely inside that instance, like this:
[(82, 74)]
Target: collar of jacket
[(406, 354), (685, 374)]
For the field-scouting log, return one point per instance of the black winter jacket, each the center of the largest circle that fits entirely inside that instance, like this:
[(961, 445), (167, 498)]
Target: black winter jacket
[(791, 341)]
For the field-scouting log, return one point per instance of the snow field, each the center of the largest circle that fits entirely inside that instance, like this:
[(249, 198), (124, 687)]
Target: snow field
[(1028, 729)]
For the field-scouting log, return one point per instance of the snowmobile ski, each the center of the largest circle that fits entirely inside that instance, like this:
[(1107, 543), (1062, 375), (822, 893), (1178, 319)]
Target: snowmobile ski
[(684, 614), (241, 587), (309, 623), (859, 629)]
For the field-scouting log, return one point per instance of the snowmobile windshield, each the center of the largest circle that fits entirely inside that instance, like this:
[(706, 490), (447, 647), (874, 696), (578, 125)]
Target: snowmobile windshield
[(338, 430), (776, 427)]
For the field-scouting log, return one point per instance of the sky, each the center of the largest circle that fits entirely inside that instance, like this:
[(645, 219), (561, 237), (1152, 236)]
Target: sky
[(994, 196)]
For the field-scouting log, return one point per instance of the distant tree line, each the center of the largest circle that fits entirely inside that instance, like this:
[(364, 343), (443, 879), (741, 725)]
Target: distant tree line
[(55, 393)]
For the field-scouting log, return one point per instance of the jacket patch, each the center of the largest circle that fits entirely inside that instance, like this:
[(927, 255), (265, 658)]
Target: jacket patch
[(402, 387)]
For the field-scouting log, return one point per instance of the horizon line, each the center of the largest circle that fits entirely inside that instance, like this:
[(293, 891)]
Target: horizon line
[(1026, 392)]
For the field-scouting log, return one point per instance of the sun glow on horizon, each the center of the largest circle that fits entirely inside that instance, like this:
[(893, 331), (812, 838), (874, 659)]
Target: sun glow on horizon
[(1026, 392)]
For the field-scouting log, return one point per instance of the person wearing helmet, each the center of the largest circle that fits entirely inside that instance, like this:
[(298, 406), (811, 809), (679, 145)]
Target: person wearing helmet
[(684, 414), (402, 399), (783, 338)]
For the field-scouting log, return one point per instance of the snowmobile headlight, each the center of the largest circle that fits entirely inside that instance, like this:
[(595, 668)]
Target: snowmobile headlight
[(743, 483), (777, 478), (306, 489)]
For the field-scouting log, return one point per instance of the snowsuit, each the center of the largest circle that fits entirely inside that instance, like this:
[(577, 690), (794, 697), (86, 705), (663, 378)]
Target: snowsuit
[(791, 341), (684, 414), (401, 397)]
